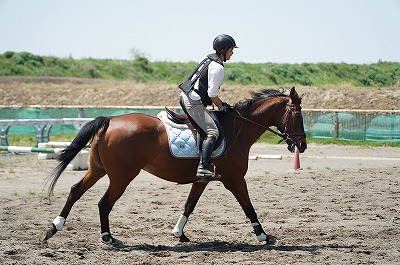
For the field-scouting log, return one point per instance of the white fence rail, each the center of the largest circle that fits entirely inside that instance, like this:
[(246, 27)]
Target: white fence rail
[(358, 125), (42, 127)]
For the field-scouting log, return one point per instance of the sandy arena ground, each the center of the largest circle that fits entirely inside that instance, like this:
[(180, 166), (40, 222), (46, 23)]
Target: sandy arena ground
[(342, 208)]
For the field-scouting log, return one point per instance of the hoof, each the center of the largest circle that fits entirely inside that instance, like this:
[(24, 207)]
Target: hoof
[(49, 233), (271, 240), (107, 239), (183, 239)]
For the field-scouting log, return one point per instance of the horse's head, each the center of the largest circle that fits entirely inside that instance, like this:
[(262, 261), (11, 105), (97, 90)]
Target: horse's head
[(291, 125), (273, 108)]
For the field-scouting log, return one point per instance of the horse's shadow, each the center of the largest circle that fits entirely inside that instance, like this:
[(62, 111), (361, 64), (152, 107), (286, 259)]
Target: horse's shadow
[(221, 246)]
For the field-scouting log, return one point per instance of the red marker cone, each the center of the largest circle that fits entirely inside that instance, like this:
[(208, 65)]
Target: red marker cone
[(296, 161)]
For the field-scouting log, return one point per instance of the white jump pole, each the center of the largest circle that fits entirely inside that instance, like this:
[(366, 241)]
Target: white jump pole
[(24, 149)]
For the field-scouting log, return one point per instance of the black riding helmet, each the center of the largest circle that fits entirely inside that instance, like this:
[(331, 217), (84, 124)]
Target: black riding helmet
[(222, 43)]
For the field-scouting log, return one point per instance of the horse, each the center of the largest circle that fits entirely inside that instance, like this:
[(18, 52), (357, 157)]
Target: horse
[(121, 146)]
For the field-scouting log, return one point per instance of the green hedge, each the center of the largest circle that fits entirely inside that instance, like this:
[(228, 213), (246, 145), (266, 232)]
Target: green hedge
[(380, 74)]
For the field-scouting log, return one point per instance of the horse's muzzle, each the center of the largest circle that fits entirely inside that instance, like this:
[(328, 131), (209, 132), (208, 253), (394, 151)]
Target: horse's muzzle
[(301, 146)]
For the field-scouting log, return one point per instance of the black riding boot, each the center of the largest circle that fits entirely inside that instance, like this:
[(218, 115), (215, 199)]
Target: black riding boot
[(205, 159)]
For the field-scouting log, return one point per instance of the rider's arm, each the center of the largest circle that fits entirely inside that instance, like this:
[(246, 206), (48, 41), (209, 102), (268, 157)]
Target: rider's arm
[(217, 102), (215, 78)]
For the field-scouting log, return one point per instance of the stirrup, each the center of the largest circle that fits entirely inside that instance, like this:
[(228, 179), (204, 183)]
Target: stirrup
[(215, 176), (206, 175)]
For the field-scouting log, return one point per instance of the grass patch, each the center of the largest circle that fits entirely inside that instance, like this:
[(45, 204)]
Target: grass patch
[(21, 140), (270, 138), (355, 143), (30, 140)]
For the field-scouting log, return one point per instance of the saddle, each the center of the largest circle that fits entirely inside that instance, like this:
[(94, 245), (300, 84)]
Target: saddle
[(198, 133), (185, 136), (179, 118)]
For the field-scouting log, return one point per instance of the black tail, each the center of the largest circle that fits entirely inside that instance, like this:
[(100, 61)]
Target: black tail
[(85, 135)]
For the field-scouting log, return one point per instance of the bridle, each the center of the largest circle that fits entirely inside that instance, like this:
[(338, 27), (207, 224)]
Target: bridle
[(292, 111)]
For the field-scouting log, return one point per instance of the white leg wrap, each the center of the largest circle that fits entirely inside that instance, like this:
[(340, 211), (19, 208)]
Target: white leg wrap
[(262, 236), (178, 229), (59, 222)]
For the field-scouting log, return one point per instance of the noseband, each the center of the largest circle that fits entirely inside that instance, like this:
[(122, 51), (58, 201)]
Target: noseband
[(292, 111)]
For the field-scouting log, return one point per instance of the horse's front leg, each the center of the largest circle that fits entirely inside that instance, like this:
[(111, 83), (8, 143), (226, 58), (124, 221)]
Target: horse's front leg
[(239, 190), (194, 196)]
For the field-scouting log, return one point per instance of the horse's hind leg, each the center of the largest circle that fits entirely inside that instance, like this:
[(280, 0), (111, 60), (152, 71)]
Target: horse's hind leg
[(115, 190), (194, 196), (76, 192)]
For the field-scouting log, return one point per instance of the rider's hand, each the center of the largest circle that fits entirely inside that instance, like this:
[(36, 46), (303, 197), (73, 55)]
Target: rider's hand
[(225, 107)]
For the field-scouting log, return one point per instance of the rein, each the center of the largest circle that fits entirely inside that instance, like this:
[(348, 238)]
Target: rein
[(240, 116), (290, 111), (258, 124)]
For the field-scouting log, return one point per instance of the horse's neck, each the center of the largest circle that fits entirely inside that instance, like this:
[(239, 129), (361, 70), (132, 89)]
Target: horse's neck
[(264, 115)]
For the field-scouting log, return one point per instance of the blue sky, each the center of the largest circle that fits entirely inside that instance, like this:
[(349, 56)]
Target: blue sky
[(280, 31)]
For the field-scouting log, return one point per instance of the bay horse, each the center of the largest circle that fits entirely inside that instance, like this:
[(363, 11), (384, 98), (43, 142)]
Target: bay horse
[(121, 146)]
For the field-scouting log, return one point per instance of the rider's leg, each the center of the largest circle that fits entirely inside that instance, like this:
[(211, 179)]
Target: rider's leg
[(209, 126), (205, 157), (199, 113)]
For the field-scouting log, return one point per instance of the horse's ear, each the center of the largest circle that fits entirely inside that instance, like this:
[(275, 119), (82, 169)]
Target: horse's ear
[(294, 96), (292, 90), (293, 93)]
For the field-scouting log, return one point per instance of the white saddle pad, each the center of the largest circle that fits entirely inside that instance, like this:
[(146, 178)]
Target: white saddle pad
[(182, 143)]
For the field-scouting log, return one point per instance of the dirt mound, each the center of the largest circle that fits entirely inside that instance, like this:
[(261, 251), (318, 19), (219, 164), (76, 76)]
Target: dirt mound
[(93, 92)]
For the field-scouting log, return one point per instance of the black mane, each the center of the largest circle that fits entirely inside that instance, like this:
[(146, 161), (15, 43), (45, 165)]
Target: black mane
[(266, 93)]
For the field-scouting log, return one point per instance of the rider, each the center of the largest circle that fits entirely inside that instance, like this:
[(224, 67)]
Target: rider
[(205, 93)]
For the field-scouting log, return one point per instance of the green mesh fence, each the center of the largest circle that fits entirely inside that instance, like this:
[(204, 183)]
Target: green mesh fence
[(355, 126), (350, 125), (58, 112)]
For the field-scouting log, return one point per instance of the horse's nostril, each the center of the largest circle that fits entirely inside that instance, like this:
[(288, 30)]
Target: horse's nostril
[(303, 147)]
